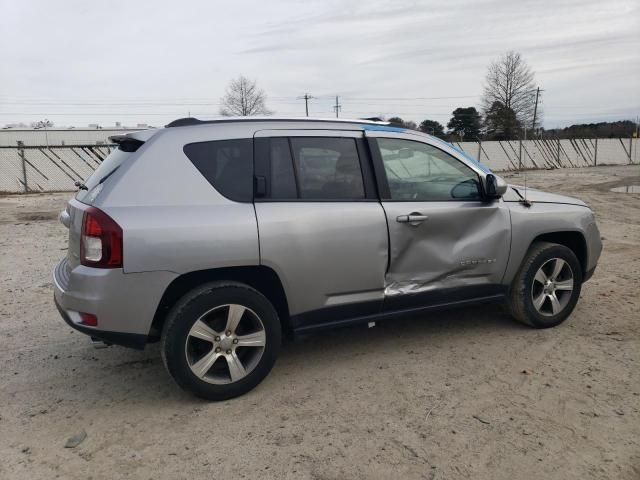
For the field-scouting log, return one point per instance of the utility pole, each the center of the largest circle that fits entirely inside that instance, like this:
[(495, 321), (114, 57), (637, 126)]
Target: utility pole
[(337, 107), (306, 98), (535, 111), (635, 155)]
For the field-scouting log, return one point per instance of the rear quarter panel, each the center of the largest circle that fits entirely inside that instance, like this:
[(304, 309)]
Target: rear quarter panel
[(172, 218)]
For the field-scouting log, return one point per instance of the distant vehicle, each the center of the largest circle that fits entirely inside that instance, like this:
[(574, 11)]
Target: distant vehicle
[(218, 237)]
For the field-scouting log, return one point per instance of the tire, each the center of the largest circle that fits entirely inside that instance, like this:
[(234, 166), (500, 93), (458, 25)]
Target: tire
[(531, 295), (197, 337)]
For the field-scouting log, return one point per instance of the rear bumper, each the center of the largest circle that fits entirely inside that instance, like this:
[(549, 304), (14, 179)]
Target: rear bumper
[(131, 340), (124, 303)]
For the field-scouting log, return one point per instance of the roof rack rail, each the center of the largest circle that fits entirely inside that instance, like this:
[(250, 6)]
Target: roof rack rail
[(188, 121)]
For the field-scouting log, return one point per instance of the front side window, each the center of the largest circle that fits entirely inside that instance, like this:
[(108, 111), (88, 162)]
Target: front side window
[(227, 165), (419, 172)]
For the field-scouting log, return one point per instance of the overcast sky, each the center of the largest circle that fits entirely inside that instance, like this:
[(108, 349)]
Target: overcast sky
[(81, 62)]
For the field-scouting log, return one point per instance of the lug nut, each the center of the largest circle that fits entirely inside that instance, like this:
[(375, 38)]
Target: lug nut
[(228, 352), (228, 333), (218, 349), (217, 339), (235, 340)]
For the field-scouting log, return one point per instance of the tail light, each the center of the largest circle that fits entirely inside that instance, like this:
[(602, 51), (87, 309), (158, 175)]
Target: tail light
[(101, 242)]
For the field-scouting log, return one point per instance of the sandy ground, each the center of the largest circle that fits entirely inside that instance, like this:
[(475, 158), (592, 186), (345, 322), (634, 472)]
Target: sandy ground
[(462, 394)]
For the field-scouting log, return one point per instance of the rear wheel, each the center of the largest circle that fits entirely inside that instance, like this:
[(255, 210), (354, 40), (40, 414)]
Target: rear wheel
[(547, 286), (220, 340)]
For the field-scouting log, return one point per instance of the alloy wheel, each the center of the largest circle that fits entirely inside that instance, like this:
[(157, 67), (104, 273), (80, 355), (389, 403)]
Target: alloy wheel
[(552, 287), (225, 344)]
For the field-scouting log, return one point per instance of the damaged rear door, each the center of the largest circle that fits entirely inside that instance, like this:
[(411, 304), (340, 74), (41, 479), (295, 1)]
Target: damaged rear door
[(446, 243)]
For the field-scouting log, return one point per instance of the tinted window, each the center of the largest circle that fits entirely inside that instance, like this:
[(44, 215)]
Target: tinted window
[(283, 181), (227, 165), (108, 166), (327, 168), (419, 172)]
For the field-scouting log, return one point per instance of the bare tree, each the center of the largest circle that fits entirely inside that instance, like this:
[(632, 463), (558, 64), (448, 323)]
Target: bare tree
[(510, 82), (244, 98), (46, 123)]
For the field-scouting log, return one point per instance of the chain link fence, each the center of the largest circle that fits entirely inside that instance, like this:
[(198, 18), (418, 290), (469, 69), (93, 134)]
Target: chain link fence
[(549, 154), (31, 169)]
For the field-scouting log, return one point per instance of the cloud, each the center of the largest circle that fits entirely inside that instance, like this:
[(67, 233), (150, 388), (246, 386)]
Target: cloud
[(59, 57)]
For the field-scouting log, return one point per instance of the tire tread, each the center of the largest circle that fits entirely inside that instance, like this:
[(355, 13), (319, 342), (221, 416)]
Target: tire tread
[(175, 317), (518, 300)]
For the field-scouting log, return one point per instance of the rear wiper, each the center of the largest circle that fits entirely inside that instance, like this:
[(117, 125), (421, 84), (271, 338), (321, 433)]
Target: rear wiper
[(108, 174), (81, 186)]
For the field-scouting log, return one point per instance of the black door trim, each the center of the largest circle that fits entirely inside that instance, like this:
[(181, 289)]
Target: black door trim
[(356, 313)]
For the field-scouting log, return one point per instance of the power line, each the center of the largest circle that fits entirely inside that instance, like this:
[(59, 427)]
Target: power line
[(350, 112), (411, 98)]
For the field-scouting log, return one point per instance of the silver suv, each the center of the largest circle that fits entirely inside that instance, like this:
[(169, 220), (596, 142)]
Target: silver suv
[(218, 237)]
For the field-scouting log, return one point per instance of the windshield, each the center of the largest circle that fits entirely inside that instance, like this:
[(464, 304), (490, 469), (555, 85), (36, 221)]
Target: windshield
[(97, 178)]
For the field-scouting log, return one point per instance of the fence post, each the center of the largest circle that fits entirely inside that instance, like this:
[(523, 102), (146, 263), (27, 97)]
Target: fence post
[(595, 154), (558, 154), (24, 165), (630, 147)]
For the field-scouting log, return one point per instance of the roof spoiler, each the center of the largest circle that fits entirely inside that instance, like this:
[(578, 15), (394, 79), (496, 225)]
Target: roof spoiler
[(126, 143), (183, 122)]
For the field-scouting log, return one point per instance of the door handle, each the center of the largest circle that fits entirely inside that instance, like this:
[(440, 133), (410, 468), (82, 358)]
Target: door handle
[(414, 218)]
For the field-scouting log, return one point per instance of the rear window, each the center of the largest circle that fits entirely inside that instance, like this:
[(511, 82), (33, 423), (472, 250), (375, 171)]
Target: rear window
[(100, 175), (227, 165)]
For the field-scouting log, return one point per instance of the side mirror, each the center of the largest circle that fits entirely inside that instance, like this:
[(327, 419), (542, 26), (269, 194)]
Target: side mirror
[(494, 186)]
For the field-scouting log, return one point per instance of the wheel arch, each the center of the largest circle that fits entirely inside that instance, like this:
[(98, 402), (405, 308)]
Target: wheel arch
[(264, 279), (574, 240)]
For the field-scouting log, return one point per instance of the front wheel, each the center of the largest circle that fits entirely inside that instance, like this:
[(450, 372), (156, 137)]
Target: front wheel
[(547, 286), (220, 340)]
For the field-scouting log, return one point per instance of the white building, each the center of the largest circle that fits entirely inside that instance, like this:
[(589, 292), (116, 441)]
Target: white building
[(62, 136)]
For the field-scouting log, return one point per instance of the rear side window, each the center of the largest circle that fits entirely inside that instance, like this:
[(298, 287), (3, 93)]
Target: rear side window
[(283, 181), (318, 168), (327, 168), (227, 165)]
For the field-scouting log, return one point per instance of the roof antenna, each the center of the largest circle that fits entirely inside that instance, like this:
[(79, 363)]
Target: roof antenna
[(524, 201)]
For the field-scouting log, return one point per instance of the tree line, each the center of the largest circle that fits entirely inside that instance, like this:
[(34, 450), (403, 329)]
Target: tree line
[(467, 124)]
